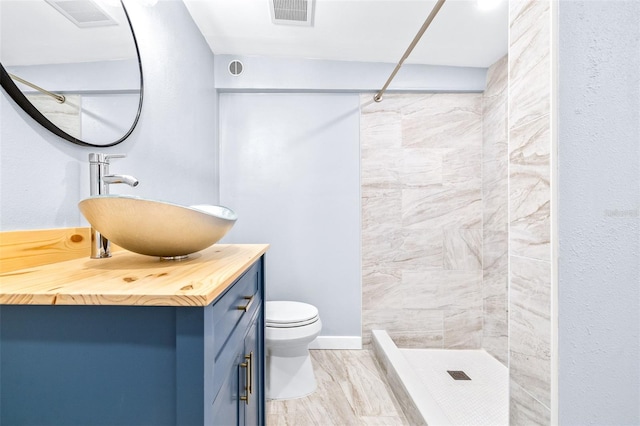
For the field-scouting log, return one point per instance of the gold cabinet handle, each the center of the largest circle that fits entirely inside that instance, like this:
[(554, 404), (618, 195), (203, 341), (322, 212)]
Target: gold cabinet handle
[(249, 359), (246, 307), (247, 379)]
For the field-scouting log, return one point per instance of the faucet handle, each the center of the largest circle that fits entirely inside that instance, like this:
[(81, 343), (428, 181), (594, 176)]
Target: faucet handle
[(95, 157), (108, 157)]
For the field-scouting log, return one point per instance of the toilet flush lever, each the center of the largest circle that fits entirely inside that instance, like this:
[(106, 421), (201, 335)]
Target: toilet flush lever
[(246, 307)]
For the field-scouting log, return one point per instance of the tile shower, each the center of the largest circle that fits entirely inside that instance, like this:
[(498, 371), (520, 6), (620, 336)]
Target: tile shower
[(435, 237), (434, 222), (405, 273)]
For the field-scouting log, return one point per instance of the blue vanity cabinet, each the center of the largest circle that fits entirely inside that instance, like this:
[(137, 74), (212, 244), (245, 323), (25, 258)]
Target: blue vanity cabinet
[(239, 360), (240, 400), (135, 365)]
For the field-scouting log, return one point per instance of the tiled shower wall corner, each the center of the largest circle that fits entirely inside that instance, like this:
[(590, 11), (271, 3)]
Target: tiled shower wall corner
[(495, 194), (422, 214), (529, 208)]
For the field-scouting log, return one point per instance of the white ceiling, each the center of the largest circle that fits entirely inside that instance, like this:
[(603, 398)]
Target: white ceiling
[(33, 32), (349, 30), (359, 30)]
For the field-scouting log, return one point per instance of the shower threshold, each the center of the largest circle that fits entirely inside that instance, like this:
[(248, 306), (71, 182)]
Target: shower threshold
[(425, 384)]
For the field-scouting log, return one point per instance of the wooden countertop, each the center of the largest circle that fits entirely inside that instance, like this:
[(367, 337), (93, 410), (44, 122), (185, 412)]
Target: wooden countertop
[(131, 279)]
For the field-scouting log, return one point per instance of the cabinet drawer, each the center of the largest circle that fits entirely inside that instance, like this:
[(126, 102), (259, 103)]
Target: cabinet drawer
[(240, 301)]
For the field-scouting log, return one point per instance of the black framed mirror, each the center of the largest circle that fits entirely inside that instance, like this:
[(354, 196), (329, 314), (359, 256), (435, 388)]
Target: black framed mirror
[(73, 66)]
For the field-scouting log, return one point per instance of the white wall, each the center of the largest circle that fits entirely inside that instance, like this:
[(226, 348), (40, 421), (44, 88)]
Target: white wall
[(172, 151), (289, 166), (599, 202), (287, 74)]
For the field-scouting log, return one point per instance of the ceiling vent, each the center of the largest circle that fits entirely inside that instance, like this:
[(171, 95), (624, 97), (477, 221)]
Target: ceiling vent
[(83, 13), (292, 12), (235, 67)]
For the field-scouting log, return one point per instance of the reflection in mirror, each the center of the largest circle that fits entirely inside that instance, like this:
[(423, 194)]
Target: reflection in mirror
[(84, 50)]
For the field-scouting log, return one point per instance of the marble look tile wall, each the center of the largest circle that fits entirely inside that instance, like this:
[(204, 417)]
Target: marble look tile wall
[(434, 207), (529, 210), (422, 214), (524, 409), (495, 195), (67, 116)]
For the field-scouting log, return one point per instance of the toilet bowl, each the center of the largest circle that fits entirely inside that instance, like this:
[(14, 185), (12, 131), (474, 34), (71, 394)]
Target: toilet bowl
[(290, 327)]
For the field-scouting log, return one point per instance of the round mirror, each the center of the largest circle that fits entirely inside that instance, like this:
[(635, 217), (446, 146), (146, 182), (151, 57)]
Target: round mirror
[(74, 66)]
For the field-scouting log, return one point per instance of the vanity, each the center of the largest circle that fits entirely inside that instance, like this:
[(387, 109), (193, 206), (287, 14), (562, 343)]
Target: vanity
[(128, 339), (133, 340)]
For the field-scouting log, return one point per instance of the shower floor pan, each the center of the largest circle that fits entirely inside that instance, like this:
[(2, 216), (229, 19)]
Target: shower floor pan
[(424, 384)]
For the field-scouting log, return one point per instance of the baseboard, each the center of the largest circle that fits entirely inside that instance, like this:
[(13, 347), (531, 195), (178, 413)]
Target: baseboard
[(336, 342)]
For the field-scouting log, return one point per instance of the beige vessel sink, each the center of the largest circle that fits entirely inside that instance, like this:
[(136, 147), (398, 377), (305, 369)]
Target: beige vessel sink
[(157, 228)]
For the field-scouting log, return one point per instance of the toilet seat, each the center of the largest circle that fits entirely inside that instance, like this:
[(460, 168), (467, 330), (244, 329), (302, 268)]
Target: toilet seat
[(292, 324), (287, 314)]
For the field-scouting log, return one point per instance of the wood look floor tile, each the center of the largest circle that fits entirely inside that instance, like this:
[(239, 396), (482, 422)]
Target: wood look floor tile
[(351, 391), (382, 421), (366, 390)]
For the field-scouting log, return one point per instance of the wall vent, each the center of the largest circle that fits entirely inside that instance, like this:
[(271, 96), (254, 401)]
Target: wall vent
[(235, 67), (292, 12), (83, 13)]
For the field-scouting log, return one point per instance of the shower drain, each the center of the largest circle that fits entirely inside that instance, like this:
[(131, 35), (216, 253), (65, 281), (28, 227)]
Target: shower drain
[(458, 375)]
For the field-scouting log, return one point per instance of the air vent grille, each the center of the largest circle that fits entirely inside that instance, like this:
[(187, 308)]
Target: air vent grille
[(83, 13), (291, 12), (235, 67)]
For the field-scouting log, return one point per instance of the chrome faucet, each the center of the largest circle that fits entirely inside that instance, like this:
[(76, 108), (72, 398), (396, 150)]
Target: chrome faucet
[(100, 179)]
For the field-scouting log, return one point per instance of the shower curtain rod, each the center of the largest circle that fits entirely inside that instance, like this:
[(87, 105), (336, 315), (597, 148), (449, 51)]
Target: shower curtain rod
[(416, 39), (59, 98)]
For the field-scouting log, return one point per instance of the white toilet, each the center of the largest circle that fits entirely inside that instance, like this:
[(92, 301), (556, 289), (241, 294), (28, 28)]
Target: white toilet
[(290, 327)]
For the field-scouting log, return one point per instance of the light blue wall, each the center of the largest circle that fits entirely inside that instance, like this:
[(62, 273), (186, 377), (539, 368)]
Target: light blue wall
[(290, 168), (172, 151), (287, 74), (118, 75), (599, 202)]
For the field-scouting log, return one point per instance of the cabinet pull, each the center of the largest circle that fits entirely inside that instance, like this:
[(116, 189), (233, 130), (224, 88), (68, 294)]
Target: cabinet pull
[(245, 397), (249, 359), (246, 307)]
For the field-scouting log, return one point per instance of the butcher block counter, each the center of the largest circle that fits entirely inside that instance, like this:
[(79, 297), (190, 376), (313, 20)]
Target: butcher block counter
[(134, 340), (131, 279)]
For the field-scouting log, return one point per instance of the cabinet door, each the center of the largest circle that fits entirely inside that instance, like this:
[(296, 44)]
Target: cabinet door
[(226, 410), (252, 382), (260, 369), (241, 397)]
